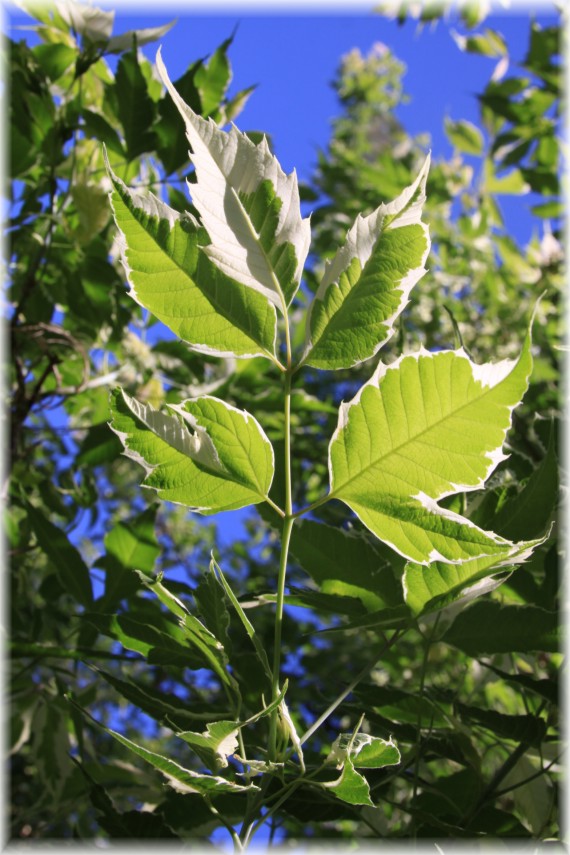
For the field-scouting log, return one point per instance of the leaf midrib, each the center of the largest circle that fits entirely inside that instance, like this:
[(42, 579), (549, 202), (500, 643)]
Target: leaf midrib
[(396, 449), (209, 297), (225, 474)]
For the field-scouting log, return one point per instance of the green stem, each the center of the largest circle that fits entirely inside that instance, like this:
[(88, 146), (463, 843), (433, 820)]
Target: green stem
[(287, 527), (313, 507), (288, 522)]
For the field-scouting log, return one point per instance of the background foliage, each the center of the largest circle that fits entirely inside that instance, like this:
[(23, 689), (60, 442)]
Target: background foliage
[(471, 696)]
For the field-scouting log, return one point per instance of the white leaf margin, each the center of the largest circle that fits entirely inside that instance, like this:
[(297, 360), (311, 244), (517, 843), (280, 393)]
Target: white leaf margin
[(197, 446), (235, 149), (489, 375), (360, 242), (150, 205)]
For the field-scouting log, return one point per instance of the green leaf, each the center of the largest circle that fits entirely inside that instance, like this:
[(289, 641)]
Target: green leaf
[(181, 779), (248, 206), (215, 744), (425, 427), (168, 709), (144, 639), (364, 751), (512, 184), (171, 276), (225, 463), (211, 601), (69, 566), (172, 145), (248, 626), (488, 43), (219, 740), (135, 108), (54, 59), (99, 446), (429, 589), (345, 564), (117, 44), (465, 136), (195, 633), (405, 707), (213, 79), (520, 728), (529, 511), (129, 546), (548, 689), (366, 285), (489, 627), (351, 787)]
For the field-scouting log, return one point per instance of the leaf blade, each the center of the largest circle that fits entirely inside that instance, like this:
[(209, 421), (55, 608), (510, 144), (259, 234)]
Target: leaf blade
[(197, 469), (249, 207), (366, 286), (172, 278), (447, 422)]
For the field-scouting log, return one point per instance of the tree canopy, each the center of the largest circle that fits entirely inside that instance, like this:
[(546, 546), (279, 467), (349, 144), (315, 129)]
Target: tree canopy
[(411, 689)]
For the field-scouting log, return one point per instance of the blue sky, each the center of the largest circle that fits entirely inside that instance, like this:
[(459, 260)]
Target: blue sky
[(292, 58)]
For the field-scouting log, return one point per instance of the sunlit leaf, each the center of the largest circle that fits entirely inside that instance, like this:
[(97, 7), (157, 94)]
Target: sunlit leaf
[(248, 206), (174, 279), (224, 462), (425, 427), (366, 285), (428, 589)]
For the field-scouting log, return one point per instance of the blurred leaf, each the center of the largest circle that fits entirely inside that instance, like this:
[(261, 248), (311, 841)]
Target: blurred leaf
[(136, 110), (130, 545), (345, 564), (512, 184), (489, 627), (117, 44), (100, 445), (54, 59), (488, 43), (397, 705), (70, 567), (529, 729), (465, 136), (547, 689)]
